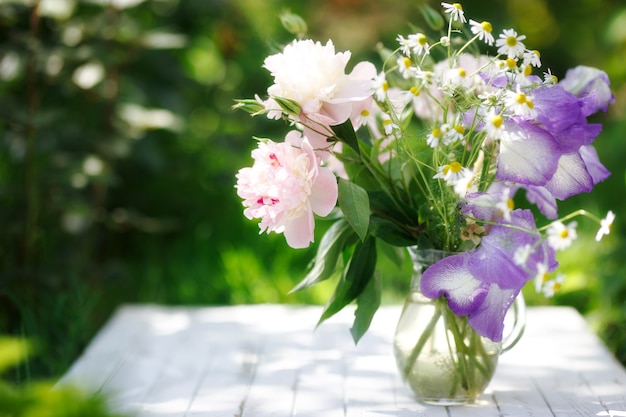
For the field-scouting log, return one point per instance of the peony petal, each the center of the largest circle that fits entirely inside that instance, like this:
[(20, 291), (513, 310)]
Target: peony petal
[(324, 192), (299, 230)]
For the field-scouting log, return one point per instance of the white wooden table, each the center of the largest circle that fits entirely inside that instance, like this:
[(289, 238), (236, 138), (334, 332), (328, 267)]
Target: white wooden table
[(267, 360)]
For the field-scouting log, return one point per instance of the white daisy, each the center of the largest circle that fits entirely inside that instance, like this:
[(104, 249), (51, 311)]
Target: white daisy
[(510, 43), (434, 137), (561, 236), (494, 124), (455, 10), (419, 44), (519, 103), (452, 172), (483, 30), (522, 254), (605, 225), (405, 66), (532, 58), (551, 286), (388, 124), (380, 86)]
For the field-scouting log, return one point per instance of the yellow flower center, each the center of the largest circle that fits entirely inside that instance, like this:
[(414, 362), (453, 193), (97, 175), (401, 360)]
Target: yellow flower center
[(365, 113), (436, 132), (461, 72), (545, 277), (528, 70), (385, 86), (564, 233), (521, 98), (407, 62), (510, 204), (530, 104), (458, 6), (455, 167), (511, 63), (536, 52), (486, 27), (415, 91), (422, 39), (511, 41), (387, 122), (460, 129), (497, 121)]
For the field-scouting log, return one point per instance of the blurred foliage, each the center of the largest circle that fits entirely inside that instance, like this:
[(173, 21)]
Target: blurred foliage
[(41, 398), (118, 150)]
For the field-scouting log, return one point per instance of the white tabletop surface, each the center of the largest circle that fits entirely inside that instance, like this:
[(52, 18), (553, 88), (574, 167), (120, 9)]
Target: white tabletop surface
[(269, 360)]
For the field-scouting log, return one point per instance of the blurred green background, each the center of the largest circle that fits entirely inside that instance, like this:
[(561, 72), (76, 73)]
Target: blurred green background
[(118, 150)]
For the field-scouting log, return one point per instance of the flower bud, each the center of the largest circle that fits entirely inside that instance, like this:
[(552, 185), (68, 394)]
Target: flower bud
[(251, 106), (293, 24), (432, 17), (288, 106)]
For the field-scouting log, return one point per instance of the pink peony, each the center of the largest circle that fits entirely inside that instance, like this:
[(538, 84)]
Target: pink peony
[(285, 187), (313, 75)]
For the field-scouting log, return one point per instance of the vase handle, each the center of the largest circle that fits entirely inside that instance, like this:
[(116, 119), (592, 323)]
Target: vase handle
[(518, 324)]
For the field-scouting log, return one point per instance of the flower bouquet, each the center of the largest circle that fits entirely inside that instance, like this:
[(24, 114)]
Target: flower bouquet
[(431, 152)]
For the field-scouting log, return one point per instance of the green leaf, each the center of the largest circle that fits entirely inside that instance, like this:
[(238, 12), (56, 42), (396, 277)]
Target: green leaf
[(358, 274), (390, 232), (355, 205), (346, 134), (367, 305), (336, 238)]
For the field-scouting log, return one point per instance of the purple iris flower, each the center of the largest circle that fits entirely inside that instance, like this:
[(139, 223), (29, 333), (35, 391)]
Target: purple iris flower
[(551, 155), (484, 282), (591, 85)]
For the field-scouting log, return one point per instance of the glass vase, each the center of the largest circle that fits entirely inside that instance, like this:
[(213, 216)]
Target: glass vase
[(439, 355)]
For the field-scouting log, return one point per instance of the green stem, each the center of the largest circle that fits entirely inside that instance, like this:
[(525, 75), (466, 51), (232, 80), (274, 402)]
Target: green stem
[(410, 362)]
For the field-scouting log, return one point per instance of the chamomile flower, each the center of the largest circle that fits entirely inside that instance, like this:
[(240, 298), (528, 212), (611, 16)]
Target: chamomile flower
[(434, 137), (451, 173), (455, 10), (520, 103), (549, 78), (453, 133), (464, 184), (509, 43), (388, 124), (380, 86), (505, 205), (521, 255), (605, 225), (494, 124), (551, 286), (561, 236), (405, 67), (532, 58), (418, 42), (405, 46), (483, 30), (541, 277)]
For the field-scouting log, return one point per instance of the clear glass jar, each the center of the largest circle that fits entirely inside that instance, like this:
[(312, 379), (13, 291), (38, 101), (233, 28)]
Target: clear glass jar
[(439, 355)]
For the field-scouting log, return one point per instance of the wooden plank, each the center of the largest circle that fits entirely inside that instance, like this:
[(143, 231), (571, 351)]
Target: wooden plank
[(254, 361)]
